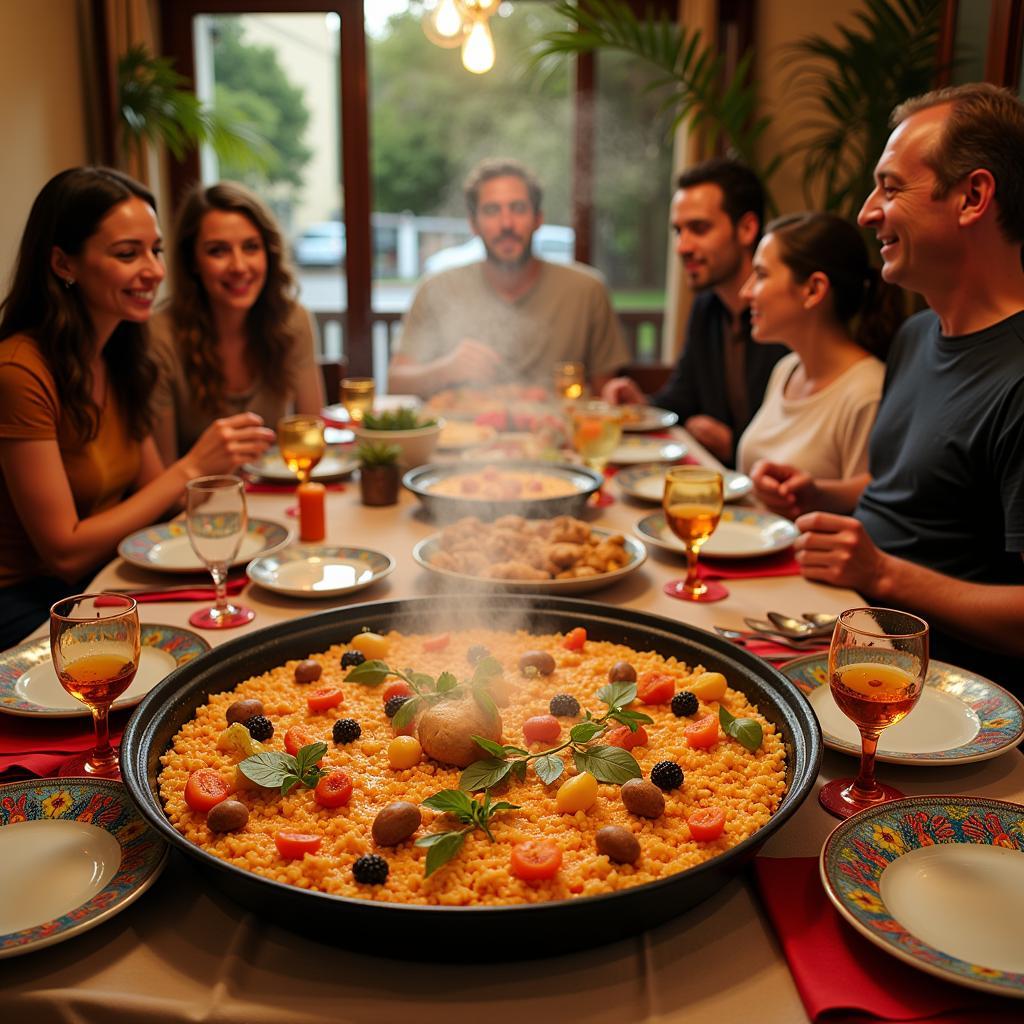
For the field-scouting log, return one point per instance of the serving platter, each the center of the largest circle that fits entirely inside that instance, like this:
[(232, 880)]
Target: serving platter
[(335, 464), (741, 533), (75, 852), (421, 481), (427, 548), (319, 570), (166, 547), (29, 686), (641, 418), (937, 881), (634, 451), (432, 932), (647, 483), (961, 717)]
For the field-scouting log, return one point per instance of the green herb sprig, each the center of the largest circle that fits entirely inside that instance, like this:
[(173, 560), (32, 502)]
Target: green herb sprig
[(271, 768), (605, 763), (405, 418), (746, 730), (427, 690), (474, 814)]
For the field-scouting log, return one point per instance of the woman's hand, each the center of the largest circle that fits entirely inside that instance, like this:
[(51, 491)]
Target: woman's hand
[(622, 391), (785, 490), (228, 443)]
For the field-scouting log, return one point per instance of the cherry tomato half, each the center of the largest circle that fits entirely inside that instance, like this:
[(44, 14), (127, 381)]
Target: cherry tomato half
[(703, 732), (575, 639), (655, 688), (623, 737), (533, 859), (292, 845), (299, 736), (205, 789), (437, 643), (541, 729), (398, 689), (323, 700), (333, 790), (706, 824)]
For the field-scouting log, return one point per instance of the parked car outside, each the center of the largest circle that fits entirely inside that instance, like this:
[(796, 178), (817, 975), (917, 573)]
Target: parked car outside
[(321, 245), (551, 242)]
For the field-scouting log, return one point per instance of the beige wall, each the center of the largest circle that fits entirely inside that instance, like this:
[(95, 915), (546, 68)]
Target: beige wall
[(42, 115)]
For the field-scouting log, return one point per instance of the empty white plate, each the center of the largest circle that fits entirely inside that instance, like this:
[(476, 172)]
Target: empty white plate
[(647, 483), (741, 533), (313, 571), (635, 450)]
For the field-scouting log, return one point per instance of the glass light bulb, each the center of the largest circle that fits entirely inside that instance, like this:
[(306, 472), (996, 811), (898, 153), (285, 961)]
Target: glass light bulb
[(447, 19), (478, 49)]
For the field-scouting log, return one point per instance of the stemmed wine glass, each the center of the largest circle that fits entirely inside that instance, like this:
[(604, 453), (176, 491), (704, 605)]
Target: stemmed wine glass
[(692, 501), (217, 520), (95, 644), (877, 663), (301, 440)]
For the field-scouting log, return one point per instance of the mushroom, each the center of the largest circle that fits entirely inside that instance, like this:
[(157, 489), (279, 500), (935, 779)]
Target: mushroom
[(446, 731)]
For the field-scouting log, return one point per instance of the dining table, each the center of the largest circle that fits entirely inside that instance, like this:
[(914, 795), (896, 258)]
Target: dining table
[(185, 951)]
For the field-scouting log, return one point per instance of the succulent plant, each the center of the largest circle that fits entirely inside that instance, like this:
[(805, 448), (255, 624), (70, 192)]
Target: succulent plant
[(370, 454), (396, 419)]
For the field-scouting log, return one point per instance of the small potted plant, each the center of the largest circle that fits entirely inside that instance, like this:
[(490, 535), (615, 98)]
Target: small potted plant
[(378, 473), (414, 437)]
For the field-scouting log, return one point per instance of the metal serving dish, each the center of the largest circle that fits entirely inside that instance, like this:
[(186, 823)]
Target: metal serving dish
[(423, 479), (467, 933)]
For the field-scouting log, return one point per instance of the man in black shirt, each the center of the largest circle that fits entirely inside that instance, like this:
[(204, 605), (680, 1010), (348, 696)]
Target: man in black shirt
[(717, 385), (940, 528)]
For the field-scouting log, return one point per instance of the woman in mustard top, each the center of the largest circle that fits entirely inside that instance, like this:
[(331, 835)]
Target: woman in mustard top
[(80, 469)]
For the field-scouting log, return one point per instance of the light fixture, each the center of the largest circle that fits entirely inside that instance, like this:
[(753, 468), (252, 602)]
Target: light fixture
[(464, 23)]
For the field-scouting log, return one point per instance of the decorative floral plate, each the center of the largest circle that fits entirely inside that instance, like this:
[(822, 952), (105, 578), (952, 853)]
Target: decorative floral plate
[(75, 852), (647, 483), (741, 533), (937, 881), (308, 570), (30, 687), (960, 717), (166, 547)]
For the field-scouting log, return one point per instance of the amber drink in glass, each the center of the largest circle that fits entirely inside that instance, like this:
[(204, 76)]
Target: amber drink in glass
[(692, 503)]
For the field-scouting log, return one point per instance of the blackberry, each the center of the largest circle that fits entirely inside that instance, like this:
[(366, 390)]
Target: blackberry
[(393, 704), (346, 730), (564, 705), (352, 658), (260, 727), (370, 869), (477, 653), (667, 775), (684, 703)]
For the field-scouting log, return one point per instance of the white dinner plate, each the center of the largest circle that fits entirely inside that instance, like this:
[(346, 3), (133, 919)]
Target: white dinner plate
[(317, 570), (647, 483), (636, 450), (960, 717), (270, 466), (741, 533), (29, 685), (937, 881), (640, 418), (424, 551), (166, 547)]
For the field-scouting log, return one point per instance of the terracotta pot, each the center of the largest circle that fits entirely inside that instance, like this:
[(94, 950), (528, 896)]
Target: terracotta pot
[(379, 484)]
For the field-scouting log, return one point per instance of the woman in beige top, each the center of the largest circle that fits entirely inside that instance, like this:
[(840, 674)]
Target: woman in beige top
[(806, 447), (231, 337)]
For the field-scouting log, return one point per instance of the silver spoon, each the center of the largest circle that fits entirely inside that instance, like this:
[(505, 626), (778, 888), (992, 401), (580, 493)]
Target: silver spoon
[(775, 638), (800, 627)]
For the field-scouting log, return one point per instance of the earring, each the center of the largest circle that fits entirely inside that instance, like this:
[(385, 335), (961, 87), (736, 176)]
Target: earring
[(68, 282)]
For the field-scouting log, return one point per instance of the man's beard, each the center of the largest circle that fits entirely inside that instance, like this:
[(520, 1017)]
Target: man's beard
[(514, 264), (715, 276)]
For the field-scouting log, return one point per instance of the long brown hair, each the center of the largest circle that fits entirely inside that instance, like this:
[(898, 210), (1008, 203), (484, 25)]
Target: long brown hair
[(813, 242), (67, 213), (269, 339)]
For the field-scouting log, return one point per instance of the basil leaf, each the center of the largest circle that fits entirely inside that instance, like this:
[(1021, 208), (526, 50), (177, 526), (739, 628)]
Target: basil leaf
[(515, 751), (406, 713), (370, 673), (485, 701), (633, 719), (486, 668), (288, 783), (748, 732), (548, 768), (608, 764), (504, 805), (421, 682), (519, 771), (581, 732), (617, 695), (443, 850), (725, 718), (445, 682), (452, 801), (432, 838), (267, 769), (308, 756), (492, 748), (484, 774)]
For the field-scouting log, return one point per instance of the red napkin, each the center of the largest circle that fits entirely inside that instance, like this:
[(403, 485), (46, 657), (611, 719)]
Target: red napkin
[(186, 592), (39, 747), (778, 652), (844, 979), (781, 564)]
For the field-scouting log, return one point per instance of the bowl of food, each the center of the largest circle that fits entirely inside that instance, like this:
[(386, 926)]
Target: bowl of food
[(413, 434), (677, 833), (534, 489)]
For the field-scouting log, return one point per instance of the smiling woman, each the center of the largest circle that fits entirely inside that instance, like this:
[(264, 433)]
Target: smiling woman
[(78, 467)]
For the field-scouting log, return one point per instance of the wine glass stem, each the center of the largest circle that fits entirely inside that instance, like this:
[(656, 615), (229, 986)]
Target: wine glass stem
[(865, 782), (219, 573), (692, 582), (103, 752)]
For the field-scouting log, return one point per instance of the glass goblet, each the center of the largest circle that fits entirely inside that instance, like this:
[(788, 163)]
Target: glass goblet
[(692, 502), (877, 663), (216, 518), (95, 644), (357, 394), (596, 432), (301, 442)]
